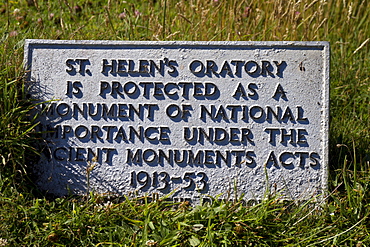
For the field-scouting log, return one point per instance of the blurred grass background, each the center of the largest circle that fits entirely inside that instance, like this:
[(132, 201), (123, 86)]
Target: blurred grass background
[(26, 218)]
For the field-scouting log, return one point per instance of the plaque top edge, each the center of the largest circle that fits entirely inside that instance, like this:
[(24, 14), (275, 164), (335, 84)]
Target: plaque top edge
[(178, 43)]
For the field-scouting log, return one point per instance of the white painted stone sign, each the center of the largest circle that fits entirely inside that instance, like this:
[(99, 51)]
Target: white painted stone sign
[(191, 118)]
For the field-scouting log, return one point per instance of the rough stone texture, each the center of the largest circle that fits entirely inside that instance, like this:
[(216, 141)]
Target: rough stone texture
[(255, 127)]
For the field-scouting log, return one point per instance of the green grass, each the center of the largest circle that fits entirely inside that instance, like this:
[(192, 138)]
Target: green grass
[(29, 219)]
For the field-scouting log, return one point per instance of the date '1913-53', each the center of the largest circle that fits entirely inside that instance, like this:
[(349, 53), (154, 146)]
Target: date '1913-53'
[(163, 181)]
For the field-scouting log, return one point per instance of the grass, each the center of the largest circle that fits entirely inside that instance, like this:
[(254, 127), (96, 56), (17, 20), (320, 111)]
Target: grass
[(29, 219)]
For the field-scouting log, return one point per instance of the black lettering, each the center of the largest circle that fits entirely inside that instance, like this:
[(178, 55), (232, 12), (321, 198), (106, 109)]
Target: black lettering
[(109, 130), (234, 134), (131, 67), (271, 158), (208, 157), (194, 66), (134, 158), (74, 88), (121, 135), (148, 131), (79, 155), (187, 133), (185, 88), (279, 93), (249, 158), (208, 89), (158, 86), (302, 158), (162, 156), (60, 153), (238, 67), (116, 89), (226, 69), (131, 86), (109, 112), (173, 111), (198, 89), (314, 157), (81, 132), (63, 109), (71, 69), (122, 111), (271, 112), (257, 113), (147, 86), (280, 67), (67, 129), (121, 67), (96, 133), (234, 111), (211, 68), (154, 66), (238, 156), (283, 158), (220, 157), (272, 132), (245, 113), (138, 112), (77, 109), (301, 139), (168, 87), (221, 113), (252, 88), (143, 67), (203, 134), (220, 135), (246, 135), (106, 65), (163, 133), (139, 134), (151, 108), (197, 159), (150, 156), (285, 135), (288, 115), (109, 154), (49, 109), (91, 154), (178, 158), (300, 117), (104, 87), (240, 92), (267, 67), (91, 110), (252, 68), (171, 64), (203, 111)]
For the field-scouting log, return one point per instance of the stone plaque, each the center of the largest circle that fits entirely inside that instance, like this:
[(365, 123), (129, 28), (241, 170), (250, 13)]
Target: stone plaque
[(189, 119)]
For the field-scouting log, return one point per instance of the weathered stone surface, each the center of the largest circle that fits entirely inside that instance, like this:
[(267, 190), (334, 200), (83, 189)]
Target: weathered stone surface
[(197, 118)]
